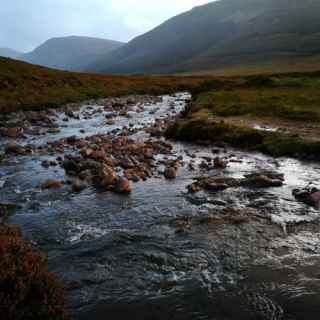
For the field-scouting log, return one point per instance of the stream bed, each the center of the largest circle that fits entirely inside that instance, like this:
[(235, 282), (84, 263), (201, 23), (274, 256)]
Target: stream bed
[(161, 252)]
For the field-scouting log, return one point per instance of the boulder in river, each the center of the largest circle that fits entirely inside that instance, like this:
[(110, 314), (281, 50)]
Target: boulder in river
[(15, 149), (51, 184), (122, 185), (263, 179), (220, 163), (309, 196), (106, 177), (170, 173), (14, 132), (255, 180), (78, 185)]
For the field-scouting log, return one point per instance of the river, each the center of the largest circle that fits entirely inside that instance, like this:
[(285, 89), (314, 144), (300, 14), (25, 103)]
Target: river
[(157, 253)]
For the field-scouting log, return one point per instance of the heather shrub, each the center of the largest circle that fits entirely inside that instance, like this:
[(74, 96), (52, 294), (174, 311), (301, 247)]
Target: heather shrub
[(27, 289)]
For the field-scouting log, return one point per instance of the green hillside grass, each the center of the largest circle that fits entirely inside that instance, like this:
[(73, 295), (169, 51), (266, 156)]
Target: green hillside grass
[(292, 99)]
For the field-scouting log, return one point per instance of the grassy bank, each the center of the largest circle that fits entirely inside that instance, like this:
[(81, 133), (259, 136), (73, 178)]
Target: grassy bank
[(24, 86), (291, 99)]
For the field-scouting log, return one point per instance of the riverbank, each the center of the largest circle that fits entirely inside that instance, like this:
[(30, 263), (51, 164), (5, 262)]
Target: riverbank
[(278, 115), (127, 218)]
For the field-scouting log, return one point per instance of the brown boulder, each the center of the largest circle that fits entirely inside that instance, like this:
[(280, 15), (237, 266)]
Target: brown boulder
[(106, 177), (170, 173), (122, 186), (14, 148), (219, 163), (51, 184)]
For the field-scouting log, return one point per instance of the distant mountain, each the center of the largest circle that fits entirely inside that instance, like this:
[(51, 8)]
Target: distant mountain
[(70, 53), (221, 33), (9, 53)]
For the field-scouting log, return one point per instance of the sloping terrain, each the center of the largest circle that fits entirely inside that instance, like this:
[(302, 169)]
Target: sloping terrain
[(223, 33), (70, 53), (25, 86), (9, 53)]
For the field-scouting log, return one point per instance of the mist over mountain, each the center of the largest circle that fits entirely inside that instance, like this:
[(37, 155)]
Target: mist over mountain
[(221, 33), (70, 53), (9, 53)]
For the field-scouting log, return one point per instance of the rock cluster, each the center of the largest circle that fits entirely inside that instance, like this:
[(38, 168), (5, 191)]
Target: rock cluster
[(113, 162), (262, 179)]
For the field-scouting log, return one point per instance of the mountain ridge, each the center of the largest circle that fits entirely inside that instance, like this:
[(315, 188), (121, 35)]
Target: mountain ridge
[(223, 32), (70, 53), (9, 53)]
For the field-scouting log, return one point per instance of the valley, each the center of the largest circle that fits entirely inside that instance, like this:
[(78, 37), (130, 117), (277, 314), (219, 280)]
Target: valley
[(241, 237), (171, 175)]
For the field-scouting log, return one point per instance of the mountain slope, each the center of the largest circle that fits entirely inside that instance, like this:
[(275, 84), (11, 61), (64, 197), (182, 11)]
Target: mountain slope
[(70, 53), (224, 32), (9, 53)]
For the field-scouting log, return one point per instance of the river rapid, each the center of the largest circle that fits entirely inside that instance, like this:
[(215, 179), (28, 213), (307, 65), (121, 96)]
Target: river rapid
[(161, 252)]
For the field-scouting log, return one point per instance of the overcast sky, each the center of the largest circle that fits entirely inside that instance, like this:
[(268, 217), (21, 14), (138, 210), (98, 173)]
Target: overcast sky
[(24, 24)]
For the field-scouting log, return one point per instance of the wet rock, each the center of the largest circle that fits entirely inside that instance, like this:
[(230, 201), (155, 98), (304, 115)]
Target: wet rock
[(106, 177), (45, 163), (309, 196), (78, 185), (98, 154), (71, 140), (126, 163), (220, 163), (111, 122), (51, 184), (15, 132), (15, 149), (69, 113), (86, 152), (71, 166), (263, 179), (170, 173), (122, 186)]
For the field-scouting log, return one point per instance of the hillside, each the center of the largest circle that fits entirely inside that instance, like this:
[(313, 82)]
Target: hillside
[(70, 53), (9, 53), (24, 86), (220, 34)]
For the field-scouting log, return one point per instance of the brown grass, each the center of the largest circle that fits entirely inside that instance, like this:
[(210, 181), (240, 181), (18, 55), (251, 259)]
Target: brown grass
[(27, 289), (25, 86)]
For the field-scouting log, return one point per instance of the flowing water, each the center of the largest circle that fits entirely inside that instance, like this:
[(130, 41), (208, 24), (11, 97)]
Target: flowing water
[(155, 254)]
